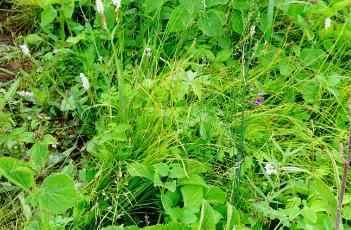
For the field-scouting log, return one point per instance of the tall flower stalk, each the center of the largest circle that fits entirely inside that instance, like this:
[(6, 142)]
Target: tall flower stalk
[(346, 167), (101, 10)]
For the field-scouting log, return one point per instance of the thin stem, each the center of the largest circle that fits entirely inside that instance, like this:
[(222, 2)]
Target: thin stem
[(346, 167)]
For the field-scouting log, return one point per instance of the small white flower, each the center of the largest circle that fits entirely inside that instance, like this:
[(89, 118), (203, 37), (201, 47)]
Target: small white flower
[(85, 81), (54, 146), (100, 6), (148, 51), (25, 94), (117, 4), (327, 23), (252, 30), (2, 91), (270, 169), (25, 49), (100, 59)]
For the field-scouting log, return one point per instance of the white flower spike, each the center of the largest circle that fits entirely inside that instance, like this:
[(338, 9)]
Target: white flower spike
[(25, 94), (117, 4), (25, 49), (327, 23), (100, 6), (252, 30), (85, 81)]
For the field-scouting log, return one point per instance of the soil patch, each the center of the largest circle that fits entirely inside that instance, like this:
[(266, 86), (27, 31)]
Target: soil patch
[(9, 69)]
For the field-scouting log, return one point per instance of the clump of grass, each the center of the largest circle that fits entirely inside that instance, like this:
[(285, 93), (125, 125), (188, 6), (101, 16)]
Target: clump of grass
[(253, 105)]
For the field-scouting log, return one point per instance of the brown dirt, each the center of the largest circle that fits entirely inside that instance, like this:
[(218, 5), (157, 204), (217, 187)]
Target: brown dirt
[(12, 66)]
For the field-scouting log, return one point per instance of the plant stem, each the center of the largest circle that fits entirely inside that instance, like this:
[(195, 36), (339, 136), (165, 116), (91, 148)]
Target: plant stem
[(346, 167)]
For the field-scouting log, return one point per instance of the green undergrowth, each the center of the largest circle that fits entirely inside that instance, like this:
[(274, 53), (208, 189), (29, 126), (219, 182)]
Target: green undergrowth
[(215, 114)]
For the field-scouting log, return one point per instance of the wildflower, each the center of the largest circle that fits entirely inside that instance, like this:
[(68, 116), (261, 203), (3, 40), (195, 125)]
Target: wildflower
[(85, 81), (2, 91), (327, 23), (258, 101), (252, 30), (41, 116), (270, 169), (54, 146), (25, 94), (100, 6), (25, 49), (148, 51), (117, 4)]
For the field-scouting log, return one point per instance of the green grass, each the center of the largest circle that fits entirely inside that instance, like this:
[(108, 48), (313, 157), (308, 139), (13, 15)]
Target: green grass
[(172, 138)]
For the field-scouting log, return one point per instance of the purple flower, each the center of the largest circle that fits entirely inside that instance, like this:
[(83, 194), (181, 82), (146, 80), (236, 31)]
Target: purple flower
[(258, 101)]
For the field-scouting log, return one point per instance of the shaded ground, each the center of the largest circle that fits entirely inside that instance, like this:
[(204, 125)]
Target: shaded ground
[(10, 55), (10, 58)]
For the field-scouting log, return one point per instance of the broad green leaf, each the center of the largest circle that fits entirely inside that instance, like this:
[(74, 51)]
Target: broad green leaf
[(171, 186), (215, 196), (68, 104), (192, 197), (223, 55), (177, 172), (38, 155), (115, 228), (195, 5), (333, 80), (328, 197), (310, 215), (169, 226), (157, 180), (311, 56), (346, 212), (33, 39), (68, 8), (41, 3), (140, 170), (193, 180), (309, 90), (48, 15), (237, 23), (285, 67), (120, 228), (169, 200), (241, 4), (16, 172), (233, 217), (317, 206), (48, 139), (210, 23), (57, 193), (161, 168), (175, 214), (181, 19), (210, 3), (151, 5), (209, 217), (76, 39), (188, 216)]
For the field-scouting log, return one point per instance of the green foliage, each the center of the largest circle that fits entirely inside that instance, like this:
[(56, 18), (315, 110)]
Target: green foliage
[(16, 172), (57, 193), (179, 114)]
